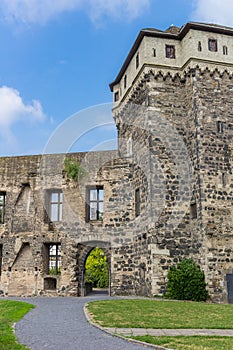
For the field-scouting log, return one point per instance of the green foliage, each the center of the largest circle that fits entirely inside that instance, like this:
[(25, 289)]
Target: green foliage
[(97, 269), (11, 312), (73, 169), (54, 271), (186, 281)]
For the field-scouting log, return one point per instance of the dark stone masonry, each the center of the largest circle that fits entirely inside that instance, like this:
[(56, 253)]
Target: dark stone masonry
[(164, 195)]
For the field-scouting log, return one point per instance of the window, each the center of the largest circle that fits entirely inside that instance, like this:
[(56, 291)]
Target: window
[(95, 203), (220, 127), (225, 50), (129, 147), (54, 259), (125, 81), (0, 259), (212, 43), (154, 52), (224, 179), (193, 211), (137, 60), (55, 208), (199, 46), (2, 206), (116, 96), (137, 202), (170, 51)]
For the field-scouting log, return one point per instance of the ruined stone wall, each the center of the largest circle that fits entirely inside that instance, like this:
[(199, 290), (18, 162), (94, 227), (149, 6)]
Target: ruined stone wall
[(28, 231)]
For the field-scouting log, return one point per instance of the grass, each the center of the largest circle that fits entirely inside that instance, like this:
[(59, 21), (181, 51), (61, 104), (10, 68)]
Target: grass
[(161, 314), (11, 312), (167, 314), (190, 343)]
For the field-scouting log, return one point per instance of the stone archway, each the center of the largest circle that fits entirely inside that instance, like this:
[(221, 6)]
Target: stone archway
[(84, 250)]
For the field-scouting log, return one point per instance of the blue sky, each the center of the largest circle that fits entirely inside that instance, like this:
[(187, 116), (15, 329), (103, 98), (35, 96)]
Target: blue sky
[(58, 58)]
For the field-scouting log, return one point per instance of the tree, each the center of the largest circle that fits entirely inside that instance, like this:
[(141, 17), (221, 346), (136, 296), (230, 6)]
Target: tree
[(97, 268), (186, 281)]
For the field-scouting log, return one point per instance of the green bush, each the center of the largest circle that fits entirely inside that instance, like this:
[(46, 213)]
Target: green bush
[(186, 281), (73, 169)]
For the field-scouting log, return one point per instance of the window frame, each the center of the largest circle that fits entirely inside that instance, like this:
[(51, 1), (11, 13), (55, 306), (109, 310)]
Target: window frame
[(2, 207), (212, 45), (170, 51), (58, 203), (97, 201), (54, 258)]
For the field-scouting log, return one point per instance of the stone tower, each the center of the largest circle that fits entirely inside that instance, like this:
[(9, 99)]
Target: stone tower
[(173, 100)]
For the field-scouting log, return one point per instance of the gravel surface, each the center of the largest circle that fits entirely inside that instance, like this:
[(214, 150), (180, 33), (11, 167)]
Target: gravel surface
[(59, 323)]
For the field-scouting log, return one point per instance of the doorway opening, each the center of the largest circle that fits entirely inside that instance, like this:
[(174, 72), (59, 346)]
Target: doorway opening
[(96, 272)]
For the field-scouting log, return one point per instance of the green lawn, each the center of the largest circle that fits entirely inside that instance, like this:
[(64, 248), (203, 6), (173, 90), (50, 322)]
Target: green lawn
[(190, 343), (167, 314), (161, 314), (11, 312)]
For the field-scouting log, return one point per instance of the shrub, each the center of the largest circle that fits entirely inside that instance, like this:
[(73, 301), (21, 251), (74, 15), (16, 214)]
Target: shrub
[(73, 169), (186, 281)]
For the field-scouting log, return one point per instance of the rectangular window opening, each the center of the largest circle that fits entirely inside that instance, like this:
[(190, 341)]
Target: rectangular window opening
[(225, 50), (55, 205), (125, 81), (220, 127), (137, 60), (199, 46), (129, 147), (95, 203), (116, 96), (170, 51), (154, 52), (193, 210), (137, 202), (54, 259), (2, 206), (224, 179), (212, 44)]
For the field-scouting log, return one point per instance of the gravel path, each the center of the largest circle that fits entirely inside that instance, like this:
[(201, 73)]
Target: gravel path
[(60, 324)]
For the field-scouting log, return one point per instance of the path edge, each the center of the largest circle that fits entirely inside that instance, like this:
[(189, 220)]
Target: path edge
[(138, 342)]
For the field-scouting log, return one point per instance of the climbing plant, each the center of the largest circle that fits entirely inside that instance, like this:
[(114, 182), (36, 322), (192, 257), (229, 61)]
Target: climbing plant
[(73, 169)]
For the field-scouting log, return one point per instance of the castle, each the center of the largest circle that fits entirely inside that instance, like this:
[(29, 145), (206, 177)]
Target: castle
[(164, 195)]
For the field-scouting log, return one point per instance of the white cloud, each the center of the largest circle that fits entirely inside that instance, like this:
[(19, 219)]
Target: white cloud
[(35, 11), (127, 9), (41, 11), (213, 11), (13, 109)]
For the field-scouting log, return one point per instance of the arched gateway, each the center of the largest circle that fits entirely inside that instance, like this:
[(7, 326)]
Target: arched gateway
[(84, 249)]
